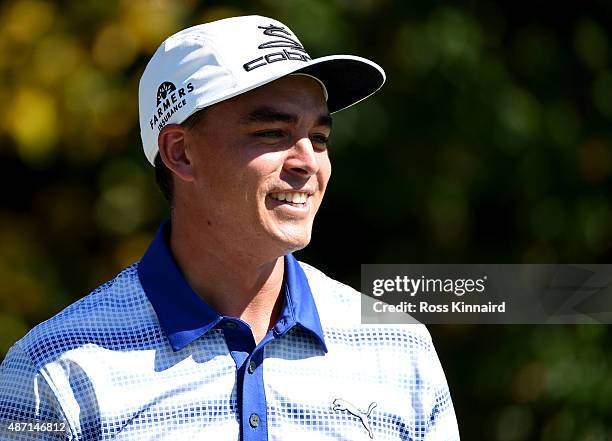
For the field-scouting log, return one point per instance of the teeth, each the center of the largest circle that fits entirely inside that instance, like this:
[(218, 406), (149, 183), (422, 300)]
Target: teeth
[(296, 198)]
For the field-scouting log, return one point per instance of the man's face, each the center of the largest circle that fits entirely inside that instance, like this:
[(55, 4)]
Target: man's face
[(260, 167)]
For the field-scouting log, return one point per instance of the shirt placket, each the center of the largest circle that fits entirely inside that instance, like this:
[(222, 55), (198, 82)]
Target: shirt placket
[(251, 397)]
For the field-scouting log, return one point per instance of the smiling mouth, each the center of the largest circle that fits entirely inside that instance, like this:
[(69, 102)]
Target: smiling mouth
[(298, 199)]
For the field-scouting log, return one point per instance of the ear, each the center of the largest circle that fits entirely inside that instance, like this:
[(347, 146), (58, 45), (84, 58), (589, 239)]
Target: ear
[(173, 151)]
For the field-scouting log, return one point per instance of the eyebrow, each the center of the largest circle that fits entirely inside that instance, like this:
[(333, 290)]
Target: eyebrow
[(269, 114)]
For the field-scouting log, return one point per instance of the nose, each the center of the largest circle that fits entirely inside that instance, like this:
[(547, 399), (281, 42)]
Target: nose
[(302, 158)]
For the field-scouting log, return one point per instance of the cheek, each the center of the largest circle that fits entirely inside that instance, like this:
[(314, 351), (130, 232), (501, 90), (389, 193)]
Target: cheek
[(223, 169), (263, 172), (324, 172)]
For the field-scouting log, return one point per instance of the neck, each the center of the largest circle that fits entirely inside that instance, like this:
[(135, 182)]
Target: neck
[(233, 283)]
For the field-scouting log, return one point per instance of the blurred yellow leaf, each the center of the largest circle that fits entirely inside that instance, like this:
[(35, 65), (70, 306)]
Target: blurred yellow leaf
[(151, 22), (33, 123), (115, 47), (26, 20), (55, 57)]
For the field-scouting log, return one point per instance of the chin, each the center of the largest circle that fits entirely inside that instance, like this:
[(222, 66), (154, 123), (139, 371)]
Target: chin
[(294, 240)]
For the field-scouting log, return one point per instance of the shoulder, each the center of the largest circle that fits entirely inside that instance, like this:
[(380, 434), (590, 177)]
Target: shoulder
[(327, 292), (339, 306), (107, 317), (404, 350)]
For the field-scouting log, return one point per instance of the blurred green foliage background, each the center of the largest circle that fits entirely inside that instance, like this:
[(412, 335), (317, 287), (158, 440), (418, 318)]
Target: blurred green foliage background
[(490, 142)]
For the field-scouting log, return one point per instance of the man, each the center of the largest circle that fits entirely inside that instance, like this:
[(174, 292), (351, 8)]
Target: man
[(218, 333)]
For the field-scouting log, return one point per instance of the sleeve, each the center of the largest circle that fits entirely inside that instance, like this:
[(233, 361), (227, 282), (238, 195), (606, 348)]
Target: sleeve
[(438, 421), (29, 409)]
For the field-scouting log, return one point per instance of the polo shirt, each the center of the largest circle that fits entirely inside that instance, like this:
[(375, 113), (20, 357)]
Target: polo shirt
[(144, 358)]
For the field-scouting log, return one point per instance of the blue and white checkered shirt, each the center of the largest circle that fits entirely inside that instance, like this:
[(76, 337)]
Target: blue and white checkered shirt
[(144, 358)]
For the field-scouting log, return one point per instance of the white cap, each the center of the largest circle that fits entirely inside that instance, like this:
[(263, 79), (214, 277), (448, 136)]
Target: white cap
[(209, 63)]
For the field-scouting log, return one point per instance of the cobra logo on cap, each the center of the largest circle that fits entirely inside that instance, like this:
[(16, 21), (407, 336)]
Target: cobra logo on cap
[(169, 101), (296, 52)]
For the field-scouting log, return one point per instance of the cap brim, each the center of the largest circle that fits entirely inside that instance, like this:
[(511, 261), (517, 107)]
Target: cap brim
[(347, 78)]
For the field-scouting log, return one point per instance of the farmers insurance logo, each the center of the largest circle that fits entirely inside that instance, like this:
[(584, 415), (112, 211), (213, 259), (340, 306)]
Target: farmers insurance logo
[(295, 50), (169, 101)]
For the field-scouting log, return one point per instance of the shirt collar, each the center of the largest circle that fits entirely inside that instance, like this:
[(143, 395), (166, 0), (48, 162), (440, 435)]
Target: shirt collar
[(184, 317)]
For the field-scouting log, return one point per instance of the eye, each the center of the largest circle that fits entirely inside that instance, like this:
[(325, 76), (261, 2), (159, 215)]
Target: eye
[(271, 134), (320, 139)]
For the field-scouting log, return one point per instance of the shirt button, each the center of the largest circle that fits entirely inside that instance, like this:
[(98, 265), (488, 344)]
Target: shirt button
[(254, 420), (230, 325), (252, 367)]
